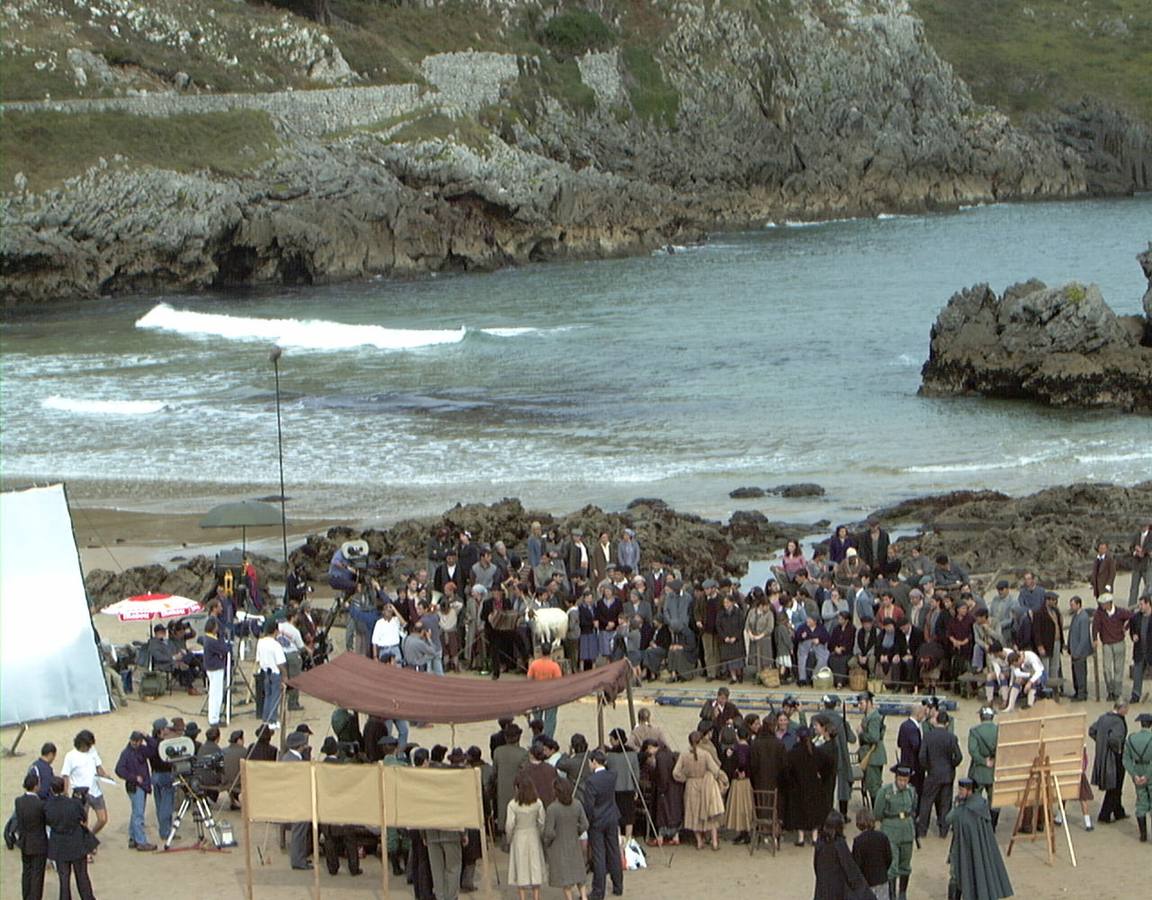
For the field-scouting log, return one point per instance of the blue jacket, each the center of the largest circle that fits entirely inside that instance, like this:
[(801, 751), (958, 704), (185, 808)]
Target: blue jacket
[(600, 800)]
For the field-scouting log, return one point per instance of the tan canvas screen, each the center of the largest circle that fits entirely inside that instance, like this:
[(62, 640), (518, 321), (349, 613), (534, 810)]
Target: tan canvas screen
[(433, 798), (350, 795), (1018, 744), (277, 792)]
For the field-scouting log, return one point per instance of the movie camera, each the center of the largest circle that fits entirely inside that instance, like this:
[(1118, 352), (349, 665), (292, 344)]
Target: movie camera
[(188, 770)]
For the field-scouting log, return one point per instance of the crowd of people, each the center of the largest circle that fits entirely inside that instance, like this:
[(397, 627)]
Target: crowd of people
[(855, 606)]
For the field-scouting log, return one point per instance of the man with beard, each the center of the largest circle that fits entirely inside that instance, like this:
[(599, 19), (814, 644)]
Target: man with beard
[(976, 868)]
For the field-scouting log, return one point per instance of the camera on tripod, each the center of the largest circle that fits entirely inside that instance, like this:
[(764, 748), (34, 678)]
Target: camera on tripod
[(180, 753)]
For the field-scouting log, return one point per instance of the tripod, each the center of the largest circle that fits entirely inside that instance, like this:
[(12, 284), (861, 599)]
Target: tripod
[(195, 800)]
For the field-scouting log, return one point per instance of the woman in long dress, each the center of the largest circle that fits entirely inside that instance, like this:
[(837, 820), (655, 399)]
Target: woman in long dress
[(758, 629), (564, 822), (523, 824), (736, 760), (806, 772), (704, 785)]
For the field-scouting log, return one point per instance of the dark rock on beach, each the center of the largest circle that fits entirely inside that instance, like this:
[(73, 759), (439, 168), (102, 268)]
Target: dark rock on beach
[(1053, 532), (792, 491), (1063, 347), (746, 493)]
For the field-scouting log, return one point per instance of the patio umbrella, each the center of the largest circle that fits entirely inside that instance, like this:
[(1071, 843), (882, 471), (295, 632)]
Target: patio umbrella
[(142, 607), (242, 514)]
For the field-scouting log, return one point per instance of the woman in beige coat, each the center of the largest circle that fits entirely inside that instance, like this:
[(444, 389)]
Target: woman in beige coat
[(704, 786), (523, 825)]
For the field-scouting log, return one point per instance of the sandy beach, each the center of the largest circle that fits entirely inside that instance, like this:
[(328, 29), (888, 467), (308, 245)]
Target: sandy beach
[(132, 538)]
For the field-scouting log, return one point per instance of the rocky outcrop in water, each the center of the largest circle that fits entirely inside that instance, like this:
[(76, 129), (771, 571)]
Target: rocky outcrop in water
[(1058, 346)]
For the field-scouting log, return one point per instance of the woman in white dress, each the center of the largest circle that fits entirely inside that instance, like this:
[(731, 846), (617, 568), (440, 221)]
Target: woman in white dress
[(524, 824)]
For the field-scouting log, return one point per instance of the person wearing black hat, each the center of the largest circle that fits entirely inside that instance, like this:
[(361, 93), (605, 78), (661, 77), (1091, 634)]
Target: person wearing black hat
[(297, 745), (1138, 764), (32, 837), (603, 827), (895, 810), (230, 776), (976, 869), (69, 843)]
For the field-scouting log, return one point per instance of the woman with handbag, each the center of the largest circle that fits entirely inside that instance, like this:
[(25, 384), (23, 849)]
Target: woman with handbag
[(837, 875)]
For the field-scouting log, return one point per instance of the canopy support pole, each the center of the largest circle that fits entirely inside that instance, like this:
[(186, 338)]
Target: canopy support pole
[(600, 719), (631, 702)]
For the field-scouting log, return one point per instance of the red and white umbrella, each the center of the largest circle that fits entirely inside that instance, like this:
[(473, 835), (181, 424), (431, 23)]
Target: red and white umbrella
[(143, 607)]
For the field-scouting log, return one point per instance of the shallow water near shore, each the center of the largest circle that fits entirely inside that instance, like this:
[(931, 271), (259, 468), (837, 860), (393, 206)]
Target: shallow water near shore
[(782, 355)]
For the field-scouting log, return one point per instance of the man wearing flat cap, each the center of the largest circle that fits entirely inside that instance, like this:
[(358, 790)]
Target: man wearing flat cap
[(895, 810), (1138, 764), (297, 744), (976, 869), (1109, 624)]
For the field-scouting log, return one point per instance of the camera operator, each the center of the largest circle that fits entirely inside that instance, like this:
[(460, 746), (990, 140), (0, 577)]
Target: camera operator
[(132, 767), (341, 574), (211, 778), (163, 791)]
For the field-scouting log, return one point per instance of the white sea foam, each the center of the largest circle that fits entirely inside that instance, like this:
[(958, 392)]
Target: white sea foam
[(104, 407), (1113, 457), (904, 359), (303, 334), (314, 334), (1018, 463)]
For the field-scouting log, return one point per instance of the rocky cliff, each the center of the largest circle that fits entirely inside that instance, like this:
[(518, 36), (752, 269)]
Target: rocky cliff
[(545, 130), (1058, 346)]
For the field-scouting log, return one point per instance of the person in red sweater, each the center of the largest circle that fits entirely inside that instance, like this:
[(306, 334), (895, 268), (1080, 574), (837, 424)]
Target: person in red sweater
[(1109, 624)]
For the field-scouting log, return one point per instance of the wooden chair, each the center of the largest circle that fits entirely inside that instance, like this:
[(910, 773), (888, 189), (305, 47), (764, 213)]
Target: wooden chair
[(858, 780), (766, 821)]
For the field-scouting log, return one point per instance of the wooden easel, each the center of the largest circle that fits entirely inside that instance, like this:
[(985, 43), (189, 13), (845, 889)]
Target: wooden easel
[(1039, 792)]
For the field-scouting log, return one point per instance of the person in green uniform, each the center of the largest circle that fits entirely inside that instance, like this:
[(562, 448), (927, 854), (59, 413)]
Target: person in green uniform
[(932, 705), (976, 869), (1138, 764), (796, 718), (873, 756), (982, 740), (895, 810)]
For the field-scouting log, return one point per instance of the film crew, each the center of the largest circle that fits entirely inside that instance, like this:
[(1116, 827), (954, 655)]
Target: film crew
[(163, 789), (262, 749), (271, 669), (192, 732), (132, 767), (31, 838), (297, 586), (297, 745), (82, 769), (294, 649), (210, 779), (233, 753), (70, 844), (216, 652), (167, 655), (42, 769)]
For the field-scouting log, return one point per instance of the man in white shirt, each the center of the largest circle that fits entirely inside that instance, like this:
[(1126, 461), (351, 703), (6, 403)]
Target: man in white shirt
[(83, 768), (271, 670), (1028, 674), (387, 635), (293, 643)]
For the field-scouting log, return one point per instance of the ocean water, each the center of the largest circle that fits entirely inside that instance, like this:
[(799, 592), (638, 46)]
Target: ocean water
[(791, 353)]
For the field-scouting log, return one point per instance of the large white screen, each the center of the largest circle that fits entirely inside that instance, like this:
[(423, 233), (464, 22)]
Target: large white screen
[(49, 664)]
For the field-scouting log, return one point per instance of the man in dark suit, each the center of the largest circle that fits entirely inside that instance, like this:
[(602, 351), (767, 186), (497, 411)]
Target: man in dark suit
[(939, 757), (297, 743), (908, 741), (67, 844), (33, 840), (603, 827), (1141, 563)]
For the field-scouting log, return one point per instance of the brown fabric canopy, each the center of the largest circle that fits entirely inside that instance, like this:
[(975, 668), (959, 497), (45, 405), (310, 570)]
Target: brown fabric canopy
[(376, 689)]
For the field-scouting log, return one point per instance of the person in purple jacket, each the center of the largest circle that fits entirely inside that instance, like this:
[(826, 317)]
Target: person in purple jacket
[(810, 638), (133, 768)]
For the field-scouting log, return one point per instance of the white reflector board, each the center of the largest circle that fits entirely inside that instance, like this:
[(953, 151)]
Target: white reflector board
[(49, 662)]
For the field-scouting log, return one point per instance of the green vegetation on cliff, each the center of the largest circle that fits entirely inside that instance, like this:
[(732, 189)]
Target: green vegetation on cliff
[(48, 147), (1034, 55)]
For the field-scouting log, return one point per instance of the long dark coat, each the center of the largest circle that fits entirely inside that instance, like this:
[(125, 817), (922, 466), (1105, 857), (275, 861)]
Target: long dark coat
[(836, 870), (809, 778), (767, 765), (669, 812), (1109, 733)]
